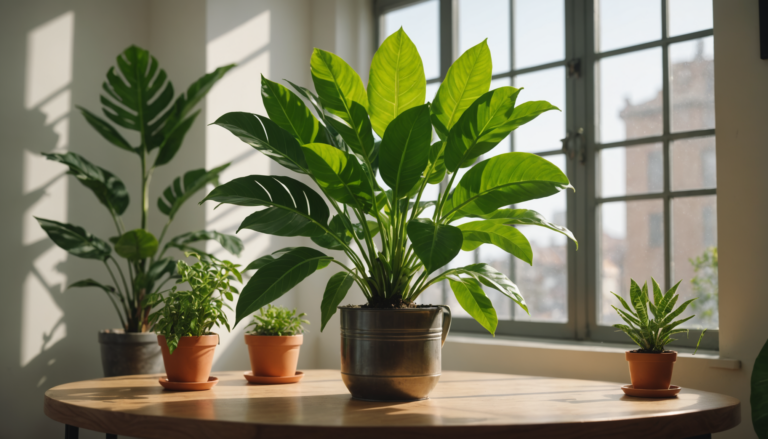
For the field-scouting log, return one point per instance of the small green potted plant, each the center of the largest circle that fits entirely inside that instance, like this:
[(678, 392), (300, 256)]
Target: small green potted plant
[(274, 342), (650, 367), (185, 322), (137, 96)]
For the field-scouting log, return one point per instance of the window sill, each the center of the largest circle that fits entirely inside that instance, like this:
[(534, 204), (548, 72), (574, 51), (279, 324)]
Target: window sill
[(711, 359)]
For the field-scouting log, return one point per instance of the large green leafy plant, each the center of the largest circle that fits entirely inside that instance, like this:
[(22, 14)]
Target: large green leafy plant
[(652, 332), (139, 97), (339, 152), (194, 312)]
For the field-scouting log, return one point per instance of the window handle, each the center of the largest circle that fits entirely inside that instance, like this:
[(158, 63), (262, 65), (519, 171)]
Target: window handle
[(573, 145)]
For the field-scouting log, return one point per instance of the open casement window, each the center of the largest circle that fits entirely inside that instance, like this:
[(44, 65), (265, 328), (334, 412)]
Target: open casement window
[(635, 82)]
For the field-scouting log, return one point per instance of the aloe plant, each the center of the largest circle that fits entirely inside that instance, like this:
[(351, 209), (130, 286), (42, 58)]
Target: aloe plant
[(337, 149), (652, 333), (139, 97)]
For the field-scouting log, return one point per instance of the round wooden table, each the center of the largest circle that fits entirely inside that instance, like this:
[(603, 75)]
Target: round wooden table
[(464, 405)]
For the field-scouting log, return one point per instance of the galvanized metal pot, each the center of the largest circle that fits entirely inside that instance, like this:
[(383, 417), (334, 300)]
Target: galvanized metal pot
[(392, 354), (133, 353)]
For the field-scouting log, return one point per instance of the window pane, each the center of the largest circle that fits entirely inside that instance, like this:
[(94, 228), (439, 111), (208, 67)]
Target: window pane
[(631, 170), (692, 85), (543, 133), (630, 99), (694, 257), (631, 247), (422, 24), (544, 19), (489, 19), (693, 164), (545, 284), (686, 16), (624, 23)]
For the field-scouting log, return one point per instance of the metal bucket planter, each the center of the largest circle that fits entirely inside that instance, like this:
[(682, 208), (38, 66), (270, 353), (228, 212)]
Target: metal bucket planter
[(392, 354), (134, 353)]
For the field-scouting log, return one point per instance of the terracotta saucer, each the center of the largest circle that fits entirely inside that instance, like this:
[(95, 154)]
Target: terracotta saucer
[(651, 393), (253, 379), (171, 385)]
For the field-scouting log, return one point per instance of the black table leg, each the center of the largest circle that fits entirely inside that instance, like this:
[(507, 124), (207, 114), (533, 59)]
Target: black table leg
[(111, 436), (702, 436), (71, 432)]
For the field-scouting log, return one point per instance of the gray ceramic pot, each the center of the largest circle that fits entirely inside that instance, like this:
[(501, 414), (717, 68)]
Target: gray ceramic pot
[(134, 353), (392, 354)]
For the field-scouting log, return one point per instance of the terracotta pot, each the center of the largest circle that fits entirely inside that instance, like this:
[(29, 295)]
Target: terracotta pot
[(651, 371), (274, 355), (191, 361)]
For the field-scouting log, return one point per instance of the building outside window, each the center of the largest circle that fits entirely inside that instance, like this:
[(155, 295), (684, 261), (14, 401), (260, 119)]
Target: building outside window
[(635, 81)]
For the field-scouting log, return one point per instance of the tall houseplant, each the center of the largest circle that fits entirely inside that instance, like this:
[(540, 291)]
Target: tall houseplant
[(139, 97), (338, 151)]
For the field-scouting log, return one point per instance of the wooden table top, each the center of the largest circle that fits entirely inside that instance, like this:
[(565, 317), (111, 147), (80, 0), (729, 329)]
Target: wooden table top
[(464, 404)]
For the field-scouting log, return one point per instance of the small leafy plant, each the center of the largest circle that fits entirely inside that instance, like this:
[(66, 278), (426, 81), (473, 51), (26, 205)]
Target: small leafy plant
[(276, 320), (195, 312), (652, 334)]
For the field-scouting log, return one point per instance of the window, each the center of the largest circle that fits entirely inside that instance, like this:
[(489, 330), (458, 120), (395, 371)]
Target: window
[(635, 81)]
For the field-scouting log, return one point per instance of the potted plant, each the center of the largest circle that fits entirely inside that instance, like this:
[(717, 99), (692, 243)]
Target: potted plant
[(185, 321), (650, 367), (399, 358), (138, 97), (274, 343)]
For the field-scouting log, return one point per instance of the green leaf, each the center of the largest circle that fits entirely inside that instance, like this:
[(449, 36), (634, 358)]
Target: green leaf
[(339, 230), (174, 139), (136, 244), (633, 334), (486, 123), (490, 277), (266, 259), (335, 291), (497, 233), (671, 316), (294, 208), (340, 175), (396, 81), (627, 317), (106, 130), (470, 295), (266, 137), (161, 267), (668, 301), (467, 79), (437, 156), (231, 243), (759, 396), (108, 189), (525, 217), (326, 131), (505, 179), (636, 296), (289, 112), (277, 278), (75, 240), (623, 302), (92, 283), (183, 188), (434, 244), (344, 99), (657, 296), (405, 150)]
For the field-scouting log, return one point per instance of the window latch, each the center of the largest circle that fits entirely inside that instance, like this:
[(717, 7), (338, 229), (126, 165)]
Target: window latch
[(573, 146), (574, 68)]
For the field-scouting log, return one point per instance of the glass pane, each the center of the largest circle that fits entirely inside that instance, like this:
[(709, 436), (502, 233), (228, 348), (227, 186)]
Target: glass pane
[(631, 170), (692, 84), (543, 133), (422, 24), (693, 164), (686, 16), (630, 99), (631, 247), (694, 257), (491, 21), (545, 284), (546, 20), (624, 23)]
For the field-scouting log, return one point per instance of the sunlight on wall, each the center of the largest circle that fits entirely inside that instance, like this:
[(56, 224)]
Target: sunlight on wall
[(48, 77), (247, 45)]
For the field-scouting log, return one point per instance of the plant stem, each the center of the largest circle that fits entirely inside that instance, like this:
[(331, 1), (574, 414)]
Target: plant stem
[(120, 270), (439, 207), (125, 307), (363, 285)]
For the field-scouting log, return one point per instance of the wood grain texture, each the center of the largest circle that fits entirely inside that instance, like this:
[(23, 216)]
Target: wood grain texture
[(464, 404)]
